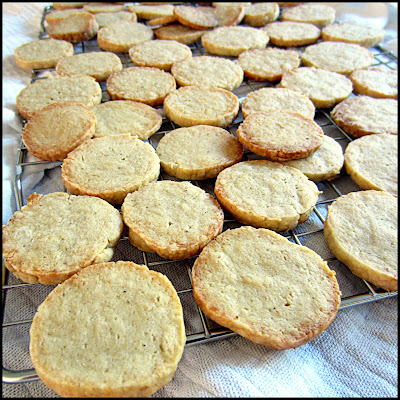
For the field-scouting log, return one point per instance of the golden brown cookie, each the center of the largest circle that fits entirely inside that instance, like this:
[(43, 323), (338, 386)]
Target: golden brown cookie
[(105, 18), (196, 17), (260, 14), (319, 15), (179, 32)]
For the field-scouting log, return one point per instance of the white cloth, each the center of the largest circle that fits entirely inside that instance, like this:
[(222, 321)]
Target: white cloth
[(355, 357)]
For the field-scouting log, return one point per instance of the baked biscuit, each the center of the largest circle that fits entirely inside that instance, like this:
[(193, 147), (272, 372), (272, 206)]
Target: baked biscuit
[(162, 20), (96, 8), (317, 14), (267, 289), (207, 70), (144, 84), (364, 115), (174, 219), (343, 58), (201, 105), (82, 89), (152, 11), (57, 15), (57, 235), (42, 53), (180, 33), (266, 194), (229, 16), (57, 129), (198, 152), (110, 167), (280, 135), (361, 231), (196, 17), (126, 117), (105, 18), (260, 14), (136, 316), (282, 99), (324, 88), (67, 5), (372, 162)]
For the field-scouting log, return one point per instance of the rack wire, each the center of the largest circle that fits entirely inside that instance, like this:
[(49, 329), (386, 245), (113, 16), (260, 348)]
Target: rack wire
[(199, 328)]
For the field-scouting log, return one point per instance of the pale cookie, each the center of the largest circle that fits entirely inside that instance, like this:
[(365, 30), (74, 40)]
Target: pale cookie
[(99, 65), (42, 53), (343, 58), (201, 105), (75, 28), (229, 16), (260, 14), (364, 115), (162, 20), (265, 288), (105, 18), (178, 32), (108, 314), (159, 53), (266, 99), (233, 40), (288, 34), (361, 231), (96, 8), (174, 219), (152, 12), (207, 70), (126, 117), (144, 84), (317, 14), (55, 236), (324, 88), (366, 36), (119, 37), (198, 152), (266, 194), (325, 163), (268, 64), (196, 17), (372, 162), (58, 15), (110, 167), (68, 5), (375, 82), (57, 129), (82, 89)]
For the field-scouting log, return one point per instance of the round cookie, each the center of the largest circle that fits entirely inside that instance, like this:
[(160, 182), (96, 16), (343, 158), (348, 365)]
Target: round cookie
[(57, 129), (144, 84), (324, 88), (207, 70), (67, 5), (174, 219), (361, 231), (280, 135), (126, 117), (260, 14), (110, 167), (57, 235), (372, 162), (267, 64), (96, 8), (229, 16), (201, 105), (82, 89), (266, 194), (317, 14), (267, 289), (152, 11), (198, 152), (42, 53), (136, 310), (57, 15), (343, 58), (196, 17), (364, 115), (180, 33), (233, 40), (106, 18), (281, 99)]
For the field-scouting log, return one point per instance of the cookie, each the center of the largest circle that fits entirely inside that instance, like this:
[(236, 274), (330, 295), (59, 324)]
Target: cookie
[(198, 152), (324, 88), (266, 194), (201, 105), (361, 231), (35, 96), (126, 117), (343, 58), (136, 316), (280, 135), (174, 219), (162, 20), (57, 15), (319, 15), (267, 64), (68, 5), (267, 289), (105, 18), (372, 162), (282, 99), (152, 11), (229, 16), (57, 235), (363, 115), (42, 53), (144, 84), (260, 14), (96, 8), (196, 17), (180, 33), (206, 70)]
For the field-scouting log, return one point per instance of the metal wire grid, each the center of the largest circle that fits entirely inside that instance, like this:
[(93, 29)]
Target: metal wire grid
[(199, 328)]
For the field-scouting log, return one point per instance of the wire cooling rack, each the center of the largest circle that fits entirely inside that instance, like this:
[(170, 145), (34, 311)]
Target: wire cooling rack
[(20, 300)]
